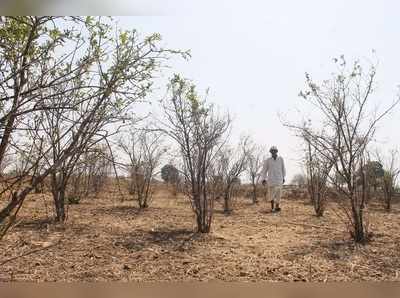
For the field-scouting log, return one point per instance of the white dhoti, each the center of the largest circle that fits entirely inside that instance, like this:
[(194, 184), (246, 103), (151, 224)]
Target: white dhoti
[(275, 193)]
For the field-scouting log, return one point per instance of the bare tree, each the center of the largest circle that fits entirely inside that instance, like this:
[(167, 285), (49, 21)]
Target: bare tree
[(97, 169), (89, 174), (255, 157), (232, 163), (300, 180), (318, 170), (144, 149), (347, 128), (390, 176), (199, 132)]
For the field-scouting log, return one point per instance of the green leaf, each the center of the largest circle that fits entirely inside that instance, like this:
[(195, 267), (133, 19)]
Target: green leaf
[(123, 37), (89, 20), (55, 33)]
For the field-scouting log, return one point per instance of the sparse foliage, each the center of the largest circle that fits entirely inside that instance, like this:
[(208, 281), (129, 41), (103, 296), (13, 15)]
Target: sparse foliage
[(231, 163), (346, 129), (318, 169), (199, 131), (391, 173), (255, 158), (144, 150), (300, 180), (90, 174), (59, 98)]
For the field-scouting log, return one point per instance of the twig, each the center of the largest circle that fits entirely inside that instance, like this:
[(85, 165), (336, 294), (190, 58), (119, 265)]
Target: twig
[(29, 253)]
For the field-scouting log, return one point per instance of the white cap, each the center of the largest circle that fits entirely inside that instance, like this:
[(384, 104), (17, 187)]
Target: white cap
[(273, 148)]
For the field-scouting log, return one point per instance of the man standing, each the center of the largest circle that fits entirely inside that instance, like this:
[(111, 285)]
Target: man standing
[(273, 174)]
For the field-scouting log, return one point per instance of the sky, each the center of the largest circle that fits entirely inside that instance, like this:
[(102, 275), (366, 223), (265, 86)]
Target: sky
[(253, 56)]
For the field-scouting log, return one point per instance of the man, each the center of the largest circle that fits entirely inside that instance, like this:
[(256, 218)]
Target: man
[(273, 174)]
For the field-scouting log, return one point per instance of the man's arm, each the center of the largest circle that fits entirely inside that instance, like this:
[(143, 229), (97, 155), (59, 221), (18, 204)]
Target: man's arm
[(283, 170)]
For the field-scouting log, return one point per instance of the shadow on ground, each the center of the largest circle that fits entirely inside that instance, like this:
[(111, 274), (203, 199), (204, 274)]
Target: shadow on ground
[(35, 224), (122, 211), (169, 239)]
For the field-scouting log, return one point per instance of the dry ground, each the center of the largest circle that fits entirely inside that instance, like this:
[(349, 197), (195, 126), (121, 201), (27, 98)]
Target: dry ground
[(106, 239)]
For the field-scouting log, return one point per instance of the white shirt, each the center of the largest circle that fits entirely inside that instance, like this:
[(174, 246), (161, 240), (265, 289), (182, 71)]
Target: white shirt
[(273, 171)]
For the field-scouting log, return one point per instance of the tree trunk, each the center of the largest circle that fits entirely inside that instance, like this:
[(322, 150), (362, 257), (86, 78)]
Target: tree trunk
[(202, 224), (202, 216), (318, 206), (142, 200), (59, 203), (319, 201), (139, 200), (368, 192), (319, 210), (227, 203), (17, 199), (387, 193), (388, 204), (58, 186), (254, 194), (38, 188), (358, 233), (311, 192), (388, 200)]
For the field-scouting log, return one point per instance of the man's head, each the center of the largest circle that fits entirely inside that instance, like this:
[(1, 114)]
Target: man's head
[(274, 151)]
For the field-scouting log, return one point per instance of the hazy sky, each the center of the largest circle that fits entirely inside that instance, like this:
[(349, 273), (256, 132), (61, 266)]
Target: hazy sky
[(253, 56)]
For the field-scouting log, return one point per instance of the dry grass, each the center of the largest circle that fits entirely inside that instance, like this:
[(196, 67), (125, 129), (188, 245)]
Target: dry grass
[(105, 239)]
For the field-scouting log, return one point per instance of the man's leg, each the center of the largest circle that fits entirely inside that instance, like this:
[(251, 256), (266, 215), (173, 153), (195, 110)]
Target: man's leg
[(277, 197), (271, 196)]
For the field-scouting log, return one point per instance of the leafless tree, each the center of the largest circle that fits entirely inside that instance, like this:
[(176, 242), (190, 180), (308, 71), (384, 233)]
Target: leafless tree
[(232, 163), (199, 131), (90, 174), (300, 180), (347, 128), (255, 157), (144, 149), (391, 172), (318, 170)]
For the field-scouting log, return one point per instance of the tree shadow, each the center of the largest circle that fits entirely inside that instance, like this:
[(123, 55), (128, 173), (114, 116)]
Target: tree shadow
[(383, 211), (222, 212), (51, 225), (332, 250), (166, 239), (35, 224), (379, 207), (122, 211)]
